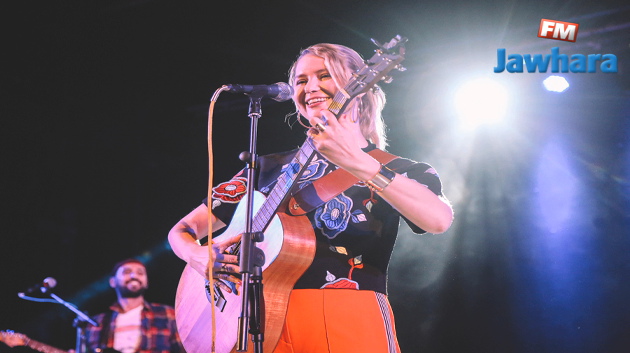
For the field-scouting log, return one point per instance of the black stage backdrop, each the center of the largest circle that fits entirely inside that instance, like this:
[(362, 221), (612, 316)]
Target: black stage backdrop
[(104, 107)]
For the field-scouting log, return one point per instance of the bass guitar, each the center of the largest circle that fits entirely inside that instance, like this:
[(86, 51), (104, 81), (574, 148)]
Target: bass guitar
[(289, 241)]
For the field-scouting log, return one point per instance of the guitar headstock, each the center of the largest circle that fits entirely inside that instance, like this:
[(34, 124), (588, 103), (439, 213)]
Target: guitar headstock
[(387, 57), (13, 339)]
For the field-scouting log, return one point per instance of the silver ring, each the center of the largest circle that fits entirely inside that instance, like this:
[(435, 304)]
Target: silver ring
[(320, 127)]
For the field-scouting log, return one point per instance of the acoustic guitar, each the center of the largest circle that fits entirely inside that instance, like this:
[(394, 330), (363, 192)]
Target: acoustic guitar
[(289, 241)]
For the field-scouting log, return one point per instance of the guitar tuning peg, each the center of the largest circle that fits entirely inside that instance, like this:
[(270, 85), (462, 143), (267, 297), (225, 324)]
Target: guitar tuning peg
[(387, 47), (376, 42), (387, 79), (400, 68)]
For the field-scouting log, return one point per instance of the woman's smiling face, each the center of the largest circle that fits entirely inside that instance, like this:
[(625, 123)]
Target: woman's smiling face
[(313, 85)]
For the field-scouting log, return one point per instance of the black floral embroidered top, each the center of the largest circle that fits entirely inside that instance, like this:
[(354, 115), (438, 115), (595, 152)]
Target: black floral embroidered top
[(355, 231)]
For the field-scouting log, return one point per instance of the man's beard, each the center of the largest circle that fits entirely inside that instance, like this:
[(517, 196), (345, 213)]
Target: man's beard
[(129, 293)]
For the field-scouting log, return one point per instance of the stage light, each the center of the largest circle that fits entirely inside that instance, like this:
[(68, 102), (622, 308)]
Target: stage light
[(479, 102), (556, 83)]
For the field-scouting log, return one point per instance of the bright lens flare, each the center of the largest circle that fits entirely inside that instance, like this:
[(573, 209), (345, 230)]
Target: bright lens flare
[(480, 102), (555, 83)]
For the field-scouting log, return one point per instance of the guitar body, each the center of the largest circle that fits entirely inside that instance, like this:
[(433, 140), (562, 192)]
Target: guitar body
[(289, 247)]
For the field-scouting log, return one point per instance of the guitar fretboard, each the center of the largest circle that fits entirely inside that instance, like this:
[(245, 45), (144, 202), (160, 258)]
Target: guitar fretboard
[(338, 104), (285, 182), (44, 348)]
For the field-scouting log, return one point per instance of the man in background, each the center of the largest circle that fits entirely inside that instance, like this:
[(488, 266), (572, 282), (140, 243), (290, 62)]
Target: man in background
[(132, 324)]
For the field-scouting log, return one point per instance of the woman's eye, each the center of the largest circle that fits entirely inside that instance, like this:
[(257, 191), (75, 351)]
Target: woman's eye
[(300, 82)]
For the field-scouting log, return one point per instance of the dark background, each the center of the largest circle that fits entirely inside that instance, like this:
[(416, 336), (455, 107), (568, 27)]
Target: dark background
[(104, 108)]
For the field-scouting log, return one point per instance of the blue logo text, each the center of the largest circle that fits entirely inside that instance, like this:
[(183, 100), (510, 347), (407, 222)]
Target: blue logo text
[(559, 62)]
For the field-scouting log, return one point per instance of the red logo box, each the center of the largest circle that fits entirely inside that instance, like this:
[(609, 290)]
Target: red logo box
[(558, 30)]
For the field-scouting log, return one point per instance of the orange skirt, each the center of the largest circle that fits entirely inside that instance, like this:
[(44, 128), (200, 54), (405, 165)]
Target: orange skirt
[(338, 321)]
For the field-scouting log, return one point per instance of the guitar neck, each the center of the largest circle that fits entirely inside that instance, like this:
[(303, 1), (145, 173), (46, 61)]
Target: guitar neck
[(285, 183), (340, 101), (44, 348)]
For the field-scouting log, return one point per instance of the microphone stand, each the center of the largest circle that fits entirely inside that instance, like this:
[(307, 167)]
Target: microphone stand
[(80, 322), (251, 261)]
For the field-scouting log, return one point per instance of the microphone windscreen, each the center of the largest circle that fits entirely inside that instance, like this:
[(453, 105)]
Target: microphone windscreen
[(286, 92)]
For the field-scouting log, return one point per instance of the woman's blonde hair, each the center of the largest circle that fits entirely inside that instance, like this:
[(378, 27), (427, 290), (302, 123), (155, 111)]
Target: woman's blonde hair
[(341, 63)]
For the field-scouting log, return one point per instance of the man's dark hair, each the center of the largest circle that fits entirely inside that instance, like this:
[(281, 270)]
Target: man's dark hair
[(123, 262)]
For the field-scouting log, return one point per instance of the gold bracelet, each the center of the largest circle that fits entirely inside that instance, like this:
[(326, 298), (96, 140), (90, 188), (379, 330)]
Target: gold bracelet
[(380, 181)]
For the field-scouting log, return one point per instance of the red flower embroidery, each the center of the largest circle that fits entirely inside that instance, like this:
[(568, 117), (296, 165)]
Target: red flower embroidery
[(231, 191)]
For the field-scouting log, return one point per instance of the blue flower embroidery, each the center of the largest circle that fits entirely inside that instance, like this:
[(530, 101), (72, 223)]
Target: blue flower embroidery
[(333, 217), (314, 171)]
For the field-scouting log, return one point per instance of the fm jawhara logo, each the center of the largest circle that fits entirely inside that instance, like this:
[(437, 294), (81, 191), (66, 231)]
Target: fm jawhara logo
[(558, 30)]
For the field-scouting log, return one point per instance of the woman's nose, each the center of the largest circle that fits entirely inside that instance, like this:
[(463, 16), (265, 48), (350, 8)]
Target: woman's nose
[(311, 86)]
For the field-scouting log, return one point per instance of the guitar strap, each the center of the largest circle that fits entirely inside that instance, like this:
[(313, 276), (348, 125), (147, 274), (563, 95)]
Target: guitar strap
[(330, 185)]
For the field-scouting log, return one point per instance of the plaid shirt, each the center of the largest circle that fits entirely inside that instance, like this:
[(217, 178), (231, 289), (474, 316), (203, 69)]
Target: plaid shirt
[(159, 332)]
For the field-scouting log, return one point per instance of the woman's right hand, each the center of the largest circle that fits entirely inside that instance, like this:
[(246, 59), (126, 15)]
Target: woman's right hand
[(225, 266)]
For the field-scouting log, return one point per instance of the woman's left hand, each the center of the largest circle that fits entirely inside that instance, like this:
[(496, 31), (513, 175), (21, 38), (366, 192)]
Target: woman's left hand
[(338, 141)]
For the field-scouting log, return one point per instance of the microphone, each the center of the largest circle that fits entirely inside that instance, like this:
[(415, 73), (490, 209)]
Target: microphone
[(42, 287), (278, 91)]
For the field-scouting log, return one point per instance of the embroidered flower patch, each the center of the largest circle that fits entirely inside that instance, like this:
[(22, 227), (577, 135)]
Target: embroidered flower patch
[(314, 171), (230, 191), (333, 217)]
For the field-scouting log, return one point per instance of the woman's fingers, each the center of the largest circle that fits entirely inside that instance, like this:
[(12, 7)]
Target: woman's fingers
[(330, 124), (224, 286), (344, 121), (328, 118), (226, 268), (233, 240), (225, 265), (220, 248), (236, 281), (228, 283), (230, 259)]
